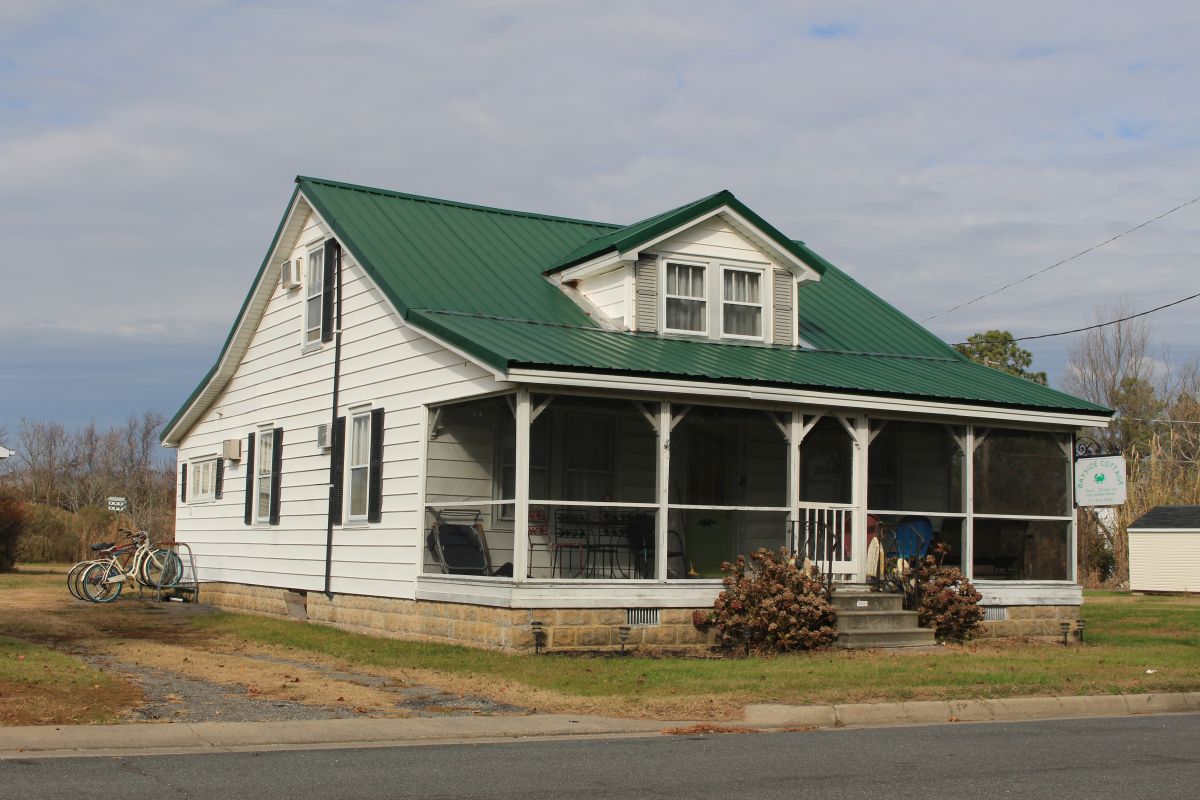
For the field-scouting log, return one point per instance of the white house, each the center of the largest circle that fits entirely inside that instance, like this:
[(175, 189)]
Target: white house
[(444, 420)]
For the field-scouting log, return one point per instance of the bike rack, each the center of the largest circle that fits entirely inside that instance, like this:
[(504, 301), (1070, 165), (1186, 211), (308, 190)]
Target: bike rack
[(187, 588)]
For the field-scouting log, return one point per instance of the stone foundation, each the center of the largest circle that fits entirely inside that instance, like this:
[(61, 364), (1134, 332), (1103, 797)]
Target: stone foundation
[(1042, 622), (511, 629), (458, 623)]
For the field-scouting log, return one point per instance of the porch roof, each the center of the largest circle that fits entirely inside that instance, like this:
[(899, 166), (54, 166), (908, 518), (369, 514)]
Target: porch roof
[(505, 343)]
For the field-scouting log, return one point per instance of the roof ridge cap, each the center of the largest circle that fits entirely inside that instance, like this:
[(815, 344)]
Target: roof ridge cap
[(454, 203)]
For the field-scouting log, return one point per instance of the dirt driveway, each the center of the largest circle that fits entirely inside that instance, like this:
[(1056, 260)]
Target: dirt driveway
[(170, 670)]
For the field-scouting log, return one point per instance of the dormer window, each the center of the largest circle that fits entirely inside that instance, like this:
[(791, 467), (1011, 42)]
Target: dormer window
[(686, 298), (742, 303)]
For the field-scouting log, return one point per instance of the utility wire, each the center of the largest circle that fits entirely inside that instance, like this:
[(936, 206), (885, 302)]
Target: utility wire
[(1100, 325), (1064, 261)]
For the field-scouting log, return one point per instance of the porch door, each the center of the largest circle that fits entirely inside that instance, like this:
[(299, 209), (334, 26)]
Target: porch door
[(825, 524)]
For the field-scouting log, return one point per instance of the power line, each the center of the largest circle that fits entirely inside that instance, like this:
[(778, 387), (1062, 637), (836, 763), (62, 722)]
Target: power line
[(1064, 261), (1099, 325)]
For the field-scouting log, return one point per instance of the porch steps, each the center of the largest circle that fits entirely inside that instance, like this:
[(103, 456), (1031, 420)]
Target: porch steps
[(877, 619)]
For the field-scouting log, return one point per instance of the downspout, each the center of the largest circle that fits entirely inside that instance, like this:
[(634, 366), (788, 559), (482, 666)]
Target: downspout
[(333, 416)]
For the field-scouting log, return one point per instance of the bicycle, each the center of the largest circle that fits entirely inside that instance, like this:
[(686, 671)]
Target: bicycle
[(74, 576), (157, 568)]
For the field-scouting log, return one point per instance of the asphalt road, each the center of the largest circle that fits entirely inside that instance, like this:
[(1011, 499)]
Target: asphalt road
[(1132, 758)]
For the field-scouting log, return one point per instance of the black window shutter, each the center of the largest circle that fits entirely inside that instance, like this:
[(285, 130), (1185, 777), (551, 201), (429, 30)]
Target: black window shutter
[(333, 253), (183, 483), (337, 469), (249, 479), (220, 479), (276, 473), (375, 489)]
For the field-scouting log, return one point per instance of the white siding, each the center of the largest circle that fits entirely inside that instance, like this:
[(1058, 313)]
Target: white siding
[(608, 292), (1164, 561), (384, 364)]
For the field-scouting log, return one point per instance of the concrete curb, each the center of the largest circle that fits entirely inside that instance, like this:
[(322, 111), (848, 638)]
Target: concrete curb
[(220, 736), (933, 712)]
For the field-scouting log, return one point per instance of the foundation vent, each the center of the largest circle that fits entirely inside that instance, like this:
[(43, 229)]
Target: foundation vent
[(641, 616), (995, 613)]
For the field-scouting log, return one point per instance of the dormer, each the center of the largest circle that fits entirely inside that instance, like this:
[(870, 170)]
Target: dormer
[(712, 269)]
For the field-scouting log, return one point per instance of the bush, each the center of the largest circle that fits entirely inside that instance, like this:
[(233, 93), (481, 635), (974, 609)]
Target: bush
[(48, 535), (769, 605), (949, 603), (12, 521)]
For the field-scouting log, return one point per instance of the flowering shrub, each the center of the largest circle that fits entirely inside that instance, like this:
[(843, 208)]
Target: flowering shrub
[(948, 603), (770, 605)]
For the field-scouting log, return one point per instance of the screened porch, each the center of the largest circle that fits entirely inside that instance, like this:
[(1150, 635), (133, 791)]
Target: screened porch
[(565, 489)]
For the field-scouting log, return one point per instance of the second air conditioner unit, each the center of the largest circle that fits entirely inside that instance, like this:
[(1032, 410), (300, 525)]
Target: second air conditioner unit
[(289, 275), (323, 442)]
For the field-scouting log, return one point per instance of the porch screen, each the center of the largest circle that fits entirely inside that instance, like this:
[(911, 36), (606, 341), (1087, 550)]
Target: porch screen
[(1023, 515), (592, 488), (915, 487), (466, 485), (728, 487)]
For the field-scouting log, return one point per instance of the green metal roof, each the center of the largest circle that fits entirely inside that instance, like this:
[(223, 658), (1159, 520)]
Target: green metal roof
[(476, 275), (427, 253), (506, 343), (638, 234)]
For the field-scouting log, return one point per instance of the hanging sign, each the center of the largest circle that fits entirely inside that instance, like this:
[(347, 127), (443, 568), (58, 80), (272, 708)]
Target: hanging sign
[(1100, 481)]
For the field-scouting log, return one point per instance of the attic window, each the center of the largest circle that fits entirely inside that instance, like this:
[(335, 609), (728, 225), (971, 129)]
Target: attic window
[(742, 307), (314, 288), (686, 306)]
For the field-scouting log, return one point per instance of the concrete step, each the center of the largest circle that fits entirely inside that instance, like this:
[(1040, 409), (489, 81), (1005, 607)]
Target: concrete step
[(859, 640), (867, 601), (876, 620)]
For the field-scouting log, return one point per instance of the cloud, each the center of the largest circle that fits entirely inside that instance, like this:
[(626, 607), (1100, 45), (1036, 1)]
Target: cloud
[(147, 150)]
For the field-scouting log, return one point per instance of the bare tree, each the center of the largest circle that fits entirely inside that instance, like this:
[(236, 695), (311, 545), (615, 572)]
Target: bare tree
[(1156, 404)]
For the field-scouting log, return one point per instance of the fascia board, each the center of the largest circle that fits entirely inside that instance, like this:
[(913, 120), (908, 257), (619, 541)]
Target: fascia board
[(784, 396), (743, 226)]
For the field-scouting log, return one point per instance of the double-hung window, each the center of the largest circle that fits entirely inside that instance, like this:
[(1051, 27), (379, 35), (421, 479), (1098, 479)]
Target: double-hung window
[(741, 303), (686, 298), (204, 480), (360, 464), (314, 286), (263, 474)]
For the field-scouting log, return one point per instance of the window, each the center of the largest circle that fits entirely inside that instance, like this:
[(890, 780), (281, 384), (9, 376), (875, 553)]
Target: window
[(360, 463), (686, 303), (204, 480), (263, 474), (314, 286), (742, 304)]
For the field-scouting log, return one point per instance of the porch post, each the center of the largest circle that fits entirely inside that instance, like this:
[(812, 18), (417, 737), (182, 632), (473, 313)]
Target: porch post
[(521, 515), (1073, 541), (858, 539), (663, 486), (968, 540), (795, 435)]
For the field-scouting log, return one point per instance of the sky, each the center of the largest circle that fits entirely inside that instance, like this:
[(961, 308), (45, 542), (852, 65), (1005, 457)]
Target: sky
[(933, 150)]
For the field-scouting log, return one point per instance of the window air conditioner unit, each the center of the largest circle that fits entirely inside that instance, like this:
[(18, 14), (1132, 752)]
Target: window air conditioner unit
[(323, 442), (289, 275), (231, 449)]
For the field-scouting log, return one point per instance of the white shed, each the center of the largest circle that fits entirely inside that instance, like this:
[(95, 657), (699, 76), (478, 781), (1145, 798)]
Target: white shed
[(1164, 550)]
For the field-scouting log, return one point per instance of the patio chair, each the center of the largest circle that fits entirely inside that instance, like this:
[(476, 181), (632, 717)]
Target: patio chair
[(913, 536), (460, 547)]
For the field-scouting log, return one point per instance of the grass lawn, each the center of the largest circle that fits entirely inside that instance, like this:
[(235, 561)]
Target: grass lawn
[(1127, 636), (41, 686)]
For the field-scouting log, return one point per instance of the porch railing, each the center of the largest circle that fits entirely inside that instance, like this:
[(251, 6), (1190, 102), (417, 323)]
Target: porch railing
[(825, 533)]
